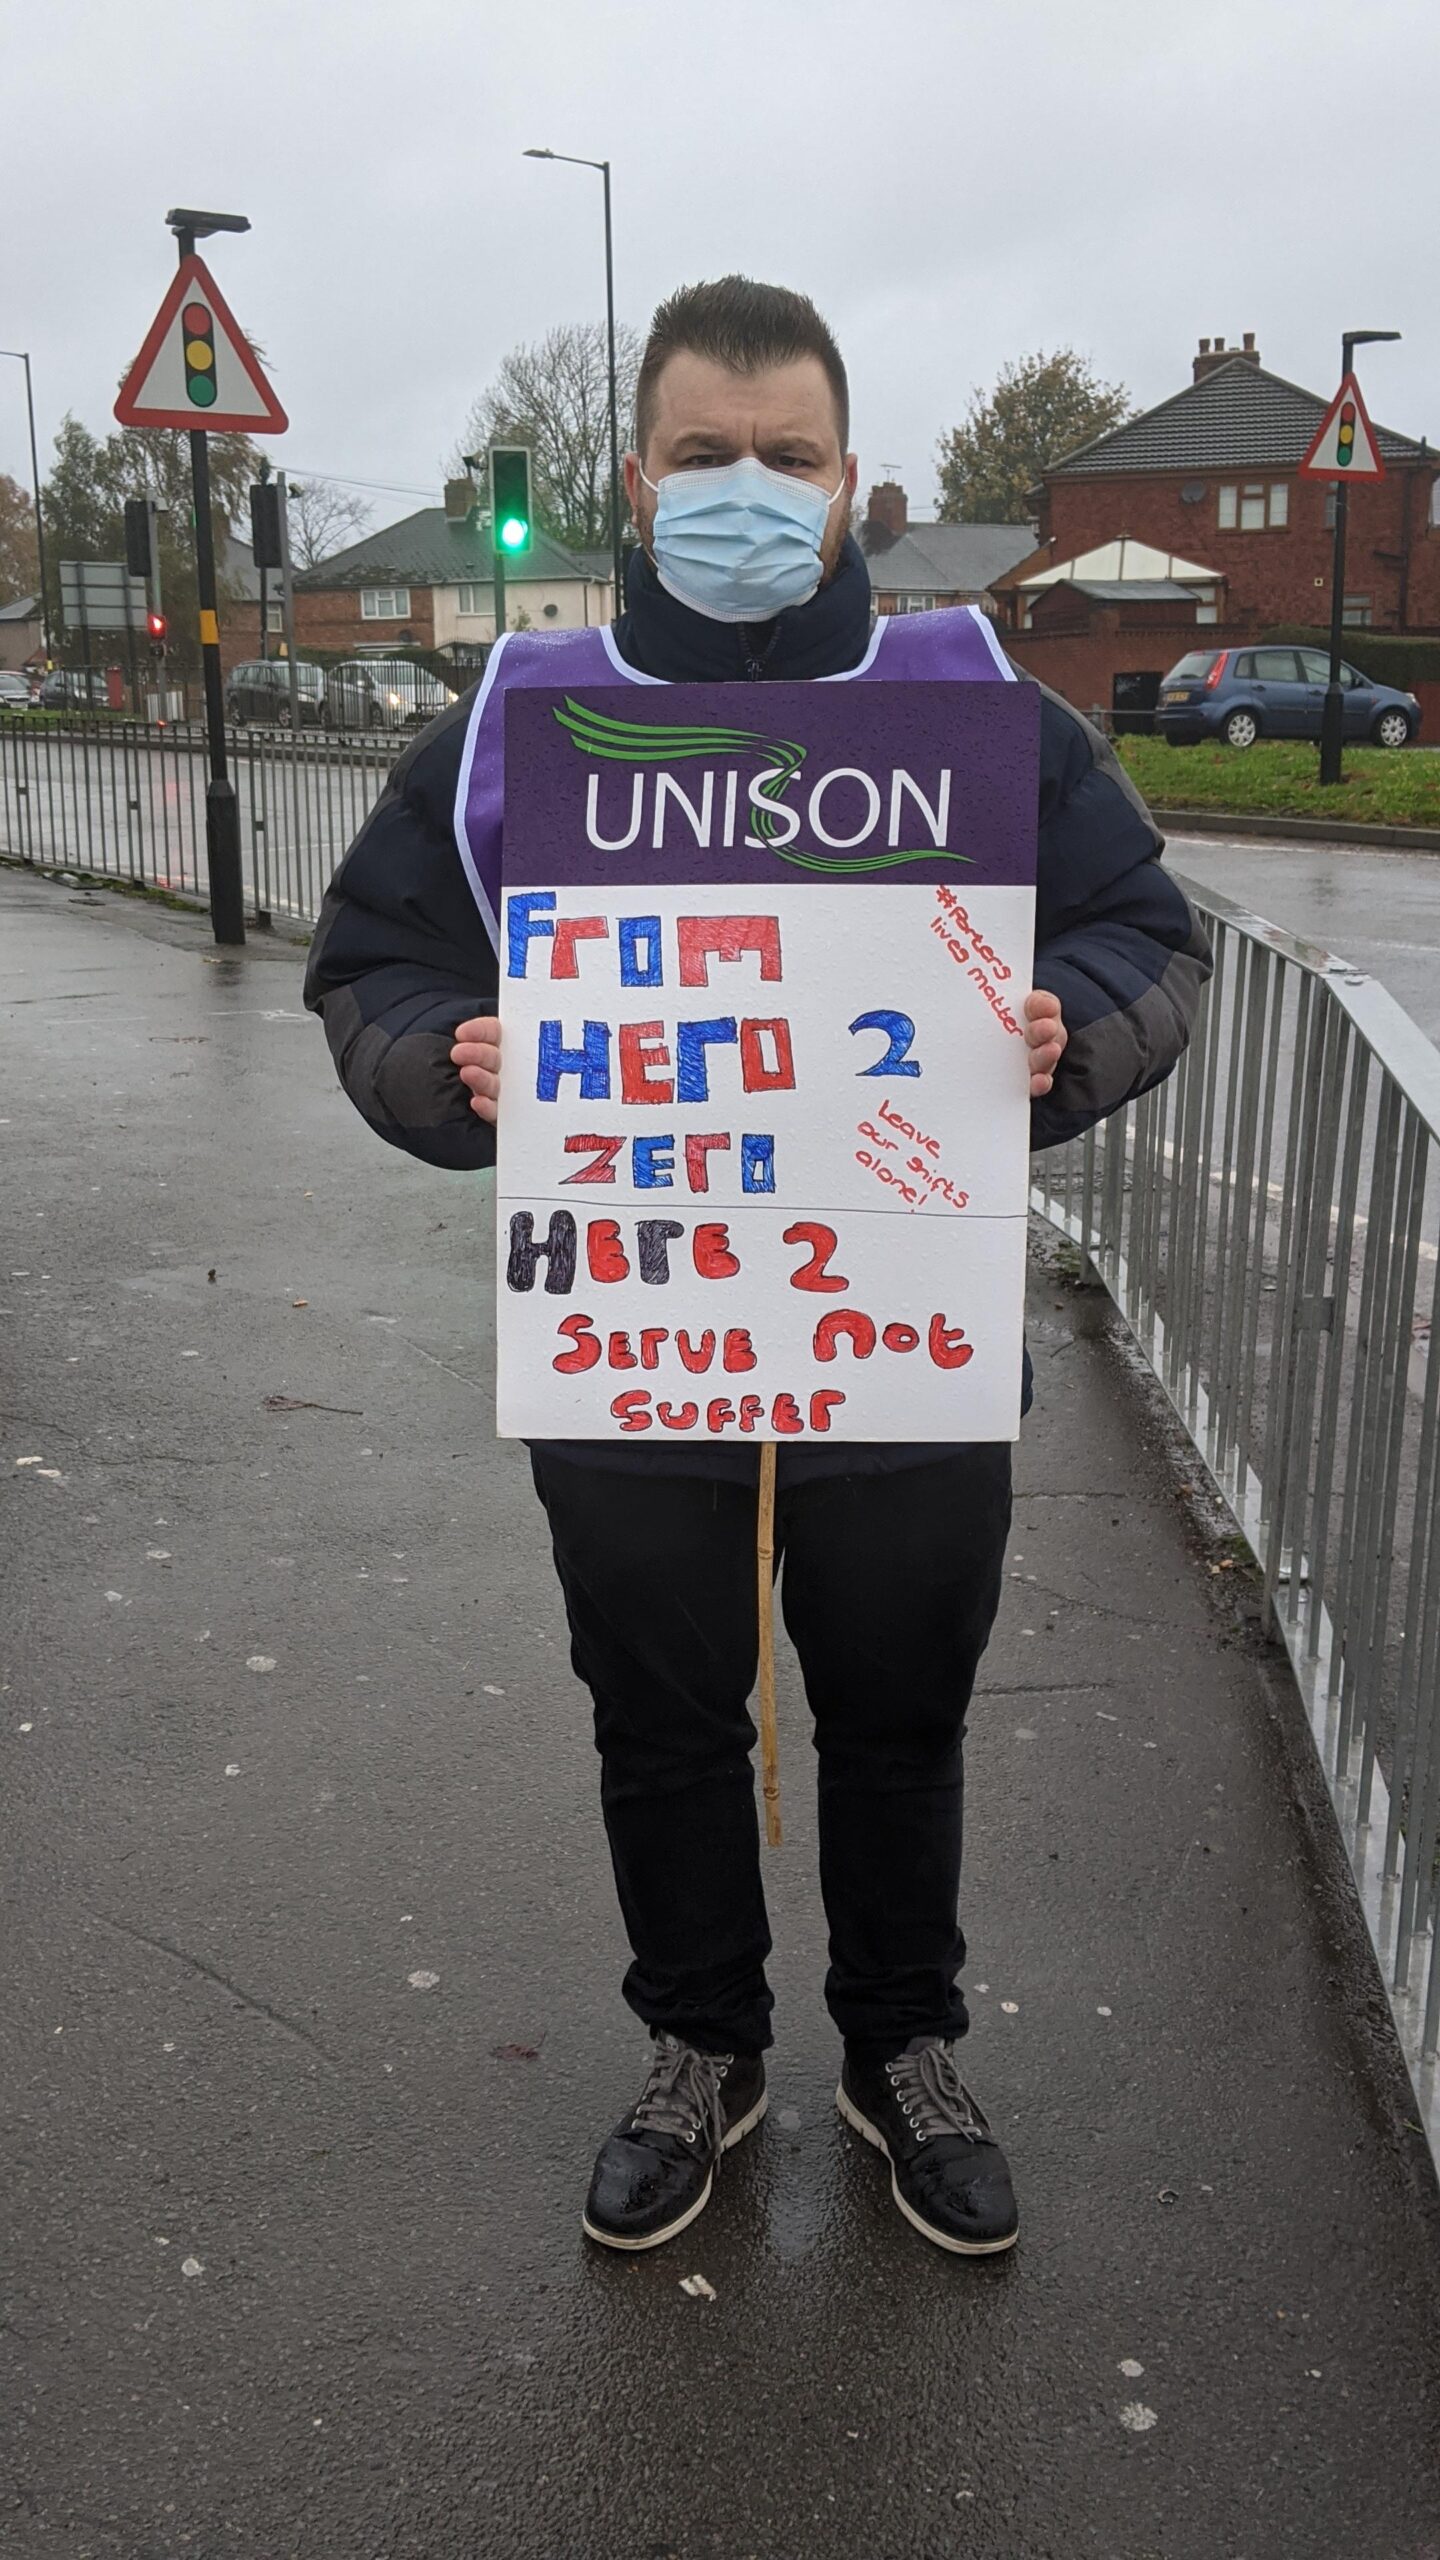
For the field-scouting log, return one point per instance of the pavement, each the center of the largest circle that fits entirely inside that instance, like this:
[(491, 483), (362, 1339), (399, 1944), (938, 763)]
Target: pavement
[(312, 2021)]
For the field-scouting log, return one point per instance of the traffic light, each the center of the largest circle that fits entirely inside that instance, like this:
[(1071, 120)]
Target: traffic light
[(138, 520), (199, 343), (1345, 438), (511, 514), (155, 626), (265, 525)]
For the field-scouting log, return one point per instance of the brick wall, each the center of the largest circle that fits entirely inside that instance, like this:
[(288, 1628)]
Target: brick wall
[(330, 618), (1282, 574)]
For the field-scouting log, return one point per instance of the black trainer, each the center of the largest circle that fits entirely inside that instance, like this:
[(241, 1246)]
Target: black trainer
[(655, 2172), (948, 2173)]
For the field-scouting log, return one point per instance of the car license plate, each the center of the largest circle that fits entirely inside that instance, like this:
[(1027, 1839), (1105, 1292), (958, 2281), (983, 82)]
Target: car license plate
[(1175, 696)]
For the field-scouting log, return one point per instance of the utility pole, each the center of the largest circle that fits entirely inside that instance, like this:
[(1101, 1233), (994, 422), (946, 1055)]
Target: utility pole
[(1332, 727)]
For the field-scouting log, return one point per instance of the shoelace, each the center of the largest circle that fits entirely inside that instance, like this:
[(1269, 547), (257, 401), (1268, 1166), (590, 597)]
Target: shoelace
[(933, 2096), (682, 2094)]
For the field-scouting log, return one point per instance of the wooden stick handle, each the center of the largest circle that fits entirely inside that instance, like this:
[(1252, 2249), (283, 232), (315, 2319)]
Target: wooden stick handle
[(765, 1571)]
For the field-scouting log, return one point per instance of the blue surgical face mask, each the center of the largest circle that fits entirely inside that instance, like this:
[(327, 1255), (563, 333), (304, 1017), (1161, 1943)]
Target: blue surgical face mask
[(739, 542)]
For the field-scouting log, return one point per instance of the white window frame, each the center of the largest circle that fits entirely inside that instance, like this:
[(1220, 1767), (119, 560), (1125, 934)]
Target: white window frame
[(914, 600), (384, 604), (475, 610), (1357, 613), (1233, 497)]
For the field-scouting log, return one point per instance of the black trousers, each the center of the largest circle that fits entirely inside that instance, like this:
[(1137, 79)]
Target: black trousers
[(890, 1587)]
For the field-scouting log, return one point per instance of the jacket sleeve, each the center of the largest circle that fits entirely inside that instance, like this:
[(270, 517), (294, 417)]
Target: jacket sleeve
[(400, 957), (1115, 936)]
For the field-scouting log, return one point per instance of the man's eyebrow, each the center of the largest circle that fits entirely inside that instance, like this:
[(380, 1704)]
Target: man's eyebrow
[(706, 439), (794, 440)]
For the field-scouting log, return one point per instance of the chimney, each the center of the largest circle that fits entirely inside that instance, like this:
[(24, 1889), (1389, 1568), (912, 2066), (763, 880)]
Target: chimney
[(1211, 356), (460, 497), (889, 506)]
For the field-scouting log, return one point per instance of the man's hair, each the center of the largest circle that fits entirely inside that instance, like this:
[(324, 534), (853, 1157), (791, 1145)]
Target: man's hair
[(744, 325)]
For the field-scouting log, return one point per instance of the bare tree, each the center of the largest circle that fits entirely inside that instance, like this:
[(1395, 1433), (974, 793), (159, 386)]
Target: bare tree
[(324, 517), (555, 398)]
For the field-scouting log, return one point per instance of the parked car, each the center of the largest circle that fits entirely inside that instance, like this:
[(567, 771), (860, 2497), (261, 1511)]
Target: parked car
[(260, 690), (71, 689), (383, 693), (14, 691), (1244, 694)]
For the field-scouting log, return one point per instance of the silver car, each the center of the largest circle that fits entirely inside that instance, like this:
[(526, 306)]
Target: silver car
[(383, 693)]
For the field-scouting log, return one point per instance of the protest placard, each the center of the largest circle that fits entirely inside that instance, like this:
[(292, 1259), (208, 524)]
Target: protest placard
[(762, 1154)]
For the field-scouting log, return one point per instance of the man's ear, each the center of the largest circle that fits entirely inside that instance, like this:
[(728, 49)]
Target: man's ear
[(632, 483), (852, 472)]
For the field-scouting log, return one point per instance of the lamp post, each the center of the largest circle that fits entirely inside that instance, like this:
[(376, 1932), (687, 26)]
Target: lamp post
[(222, 809), (21, 358), (604, 168), (1332, 722)]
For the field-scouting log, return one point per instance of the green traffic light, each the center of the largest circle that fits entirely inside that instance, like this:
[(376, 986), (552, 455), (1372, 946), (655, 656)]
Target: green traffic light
[(514, 533)]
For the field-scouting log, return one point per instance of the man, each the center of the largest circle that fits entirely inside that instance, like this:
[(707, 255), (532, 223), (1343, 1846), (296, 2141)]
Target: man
[(740, 485)]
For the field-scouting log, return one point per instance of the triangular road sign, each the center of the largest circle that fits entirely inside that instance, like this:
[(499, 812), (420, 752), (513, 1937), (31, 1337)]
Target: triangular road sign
[(1344, 446), (196, 368)]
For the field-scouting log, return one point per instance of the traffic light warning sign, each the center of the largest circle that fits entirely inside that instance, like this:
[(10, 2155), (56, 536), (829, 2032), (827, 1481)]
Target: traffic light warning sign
[(1344, 446), (196, 367)]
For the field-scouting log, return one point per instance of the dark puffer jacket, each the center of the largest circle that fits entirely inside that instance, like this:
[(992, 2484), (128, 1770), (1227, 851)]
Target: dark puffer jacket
[(400, 956)]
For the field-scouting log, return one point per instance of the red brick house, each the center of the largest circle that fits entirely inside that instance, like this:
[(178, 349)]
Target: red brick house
[(1208, 482)]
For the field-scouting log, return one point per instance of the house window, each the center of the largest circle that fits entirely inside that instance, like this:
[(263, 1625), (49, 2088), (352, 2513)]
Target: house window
[(472, 599), (1252, 505), (1356, 609), (913, 603), (1206, 609), (274, 617), (384, 604)]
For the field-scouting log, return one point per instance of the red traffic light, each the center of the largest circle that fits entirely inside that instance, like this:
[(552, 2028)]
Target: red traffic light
[(155, 625)]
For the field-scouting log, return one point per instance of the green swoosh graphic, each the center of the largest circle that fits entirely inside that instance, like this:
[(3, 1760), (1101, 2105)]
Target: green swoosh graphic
[(594, 733)]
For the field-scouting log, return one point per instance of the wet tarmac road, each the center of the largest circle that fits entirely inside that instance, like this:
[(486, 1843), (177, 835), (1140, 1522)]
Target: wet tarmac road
[(311, 1953)]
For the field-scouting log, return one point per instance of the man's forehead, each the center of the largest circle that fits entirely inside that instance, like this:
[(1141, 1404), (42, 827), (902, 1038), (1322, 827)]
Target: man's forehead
[(695, 393)]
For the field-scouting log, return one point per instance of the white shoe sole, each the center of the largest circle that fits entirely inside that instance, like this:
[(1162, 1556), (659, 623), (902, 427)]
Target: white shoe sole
[(656, 2239), (872, 2134)]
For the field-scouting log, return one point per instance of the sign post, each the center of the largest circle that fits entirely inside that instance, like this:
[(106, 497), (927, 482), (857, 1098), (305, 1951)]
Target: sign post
[(763, 1161), (197, 366), (1343, 448)]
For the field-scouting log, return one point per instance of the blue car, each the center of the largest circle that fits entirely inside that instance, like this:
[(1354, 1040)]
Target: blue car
[(1240, 695)]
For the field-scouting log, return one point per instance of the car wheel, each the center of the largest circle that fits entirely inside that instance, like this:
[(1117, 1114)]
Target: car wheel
[(1241, 729), (1392, 729)]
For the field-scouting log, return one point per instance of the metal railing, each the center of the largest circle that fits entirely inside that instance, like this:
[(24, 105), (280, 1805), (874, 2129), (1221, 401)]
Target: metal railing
[(1267, 1223), (124, 800)]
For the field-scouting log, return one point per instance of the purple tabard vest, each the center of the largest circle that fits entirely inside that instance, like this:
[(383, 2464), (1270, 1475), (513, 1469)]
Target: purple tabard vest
[(955, 645)]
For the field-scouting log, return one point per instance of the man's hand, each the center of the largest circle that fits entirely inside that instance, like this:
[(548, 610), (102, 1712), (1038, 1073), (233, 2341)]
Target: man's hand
[(477, 1055), (1045, 1038)]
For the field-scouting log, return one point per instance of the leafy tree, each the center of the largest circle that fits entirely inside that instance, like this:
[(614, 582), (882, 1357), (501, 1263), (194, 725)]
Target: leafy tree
[(1040, 408), (85, 516), (555, 398), (19, 553), (324, 517)]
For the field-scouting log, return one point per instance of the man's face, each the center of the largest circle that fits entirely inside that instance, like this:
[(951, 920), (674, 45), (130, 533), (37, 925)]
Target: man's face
[(785, 417)]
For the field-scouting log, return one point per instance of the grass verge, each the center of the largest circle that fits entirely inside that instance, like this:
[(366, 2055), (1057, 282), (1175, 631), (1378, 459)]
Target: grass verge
[(1280, 778)]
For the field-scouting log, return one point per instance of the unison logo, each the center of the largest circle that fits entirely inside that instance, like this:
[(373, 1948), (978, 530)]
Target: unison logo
[(844, 809)]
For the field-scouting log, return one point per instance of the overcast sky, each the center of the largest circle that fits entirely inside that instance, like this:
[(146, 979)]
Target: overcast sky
[(954, 184)]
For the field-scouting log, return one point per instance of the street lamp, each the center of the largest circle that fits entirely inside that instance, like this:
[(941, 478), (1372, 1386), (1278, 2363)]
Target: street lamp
[(222, 809), (21, 358), (1333, 717), (604, 168)]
